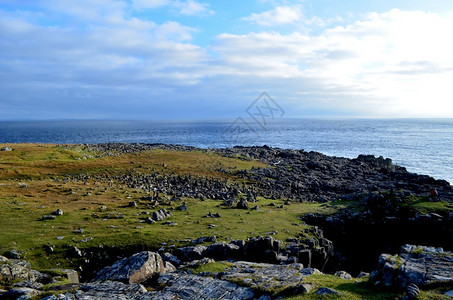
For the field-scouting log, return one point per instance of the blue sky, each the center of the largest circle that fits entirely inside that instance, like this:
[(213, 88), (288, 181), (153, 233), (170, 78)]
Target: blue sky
[(191, 59)]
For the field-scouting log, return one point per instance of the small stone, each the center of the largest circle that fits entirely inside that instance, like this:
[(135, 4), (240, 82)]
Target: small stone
[(242, 204), (47, 217), (75, 252), (183, 207), (14, 254), (58, 212), (60, 237), (169, 223), (363, 274), (22, 185), (343, 275), (326, 291), (132, 204), (149, 220), (6, 149), (412, 291)]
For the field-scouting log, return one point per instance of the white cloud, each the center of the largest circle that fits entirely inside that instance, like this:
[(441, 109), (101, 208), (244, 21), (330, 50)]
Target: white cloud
[(149, 4), (389, 64), (192, 8), (397, 63), (188, 7), (278, 16)]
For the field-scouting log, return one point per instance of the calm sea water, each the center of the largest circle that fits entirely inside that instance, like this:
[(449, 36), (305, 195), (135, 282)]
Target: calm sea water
[(421, 145)]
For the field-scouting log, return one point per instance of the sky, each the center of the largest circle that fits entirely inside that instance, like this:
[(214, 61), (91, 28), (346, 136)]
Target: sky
[(195, 59)]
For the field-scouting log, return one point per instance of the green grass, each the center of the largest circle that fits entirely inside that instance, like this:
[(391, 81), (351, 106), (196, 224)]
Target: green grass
[(216, 267), (349, 289)]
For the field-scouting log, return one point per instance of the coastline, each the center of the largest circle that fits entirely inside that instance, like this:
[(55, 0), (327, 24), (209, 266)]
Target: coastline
[(292, 206)]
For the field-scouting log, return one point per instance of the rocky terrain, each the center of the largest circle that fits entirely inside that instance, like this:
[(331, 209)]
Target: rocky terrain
[(296, 175), (128, 208)]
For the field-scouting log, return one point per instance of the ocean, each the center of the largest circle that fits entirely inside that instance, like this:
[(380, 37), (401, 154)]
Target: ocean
[(423, 146)]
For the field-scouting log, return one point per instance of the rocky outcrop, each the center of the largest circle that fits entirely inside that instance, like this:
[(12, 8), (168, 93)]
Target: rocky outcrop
[(186, 286), (14, 269), (25, 283), (107, 290), (311, 249), (135, 269), (293, 174), (268, 278), (418, 265)]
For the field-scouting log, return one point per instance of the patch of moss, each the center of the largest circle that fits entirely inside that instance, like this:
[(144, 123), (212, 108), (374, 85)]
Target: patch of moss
[(215, 267)]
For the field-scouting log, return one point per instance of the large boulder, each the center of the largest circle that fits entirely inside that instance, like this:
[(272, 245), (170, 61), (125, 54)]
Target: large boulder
[(415, 264), (135, 269)]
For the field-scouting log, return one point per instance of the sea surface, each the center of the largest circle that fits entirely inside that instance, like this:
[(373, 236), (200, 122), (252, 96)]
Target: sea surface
[(423, 146)]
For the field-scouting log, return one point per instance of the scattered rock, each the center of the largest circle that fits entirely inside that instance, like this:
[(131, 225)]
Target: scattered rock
[(149, 220), (412, 291), (13, 254), (6, 149), (343, 275), (242, 204), (326, 291), (169, 223), (48, 217), (183, 207), (160, 215), (58, 212), (75, 252), (363, 274), (211, 215)]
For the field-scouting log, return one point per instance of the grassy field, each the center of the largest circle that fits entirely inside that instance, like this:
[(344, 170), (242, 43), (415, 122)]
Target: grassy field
[(101, 210)]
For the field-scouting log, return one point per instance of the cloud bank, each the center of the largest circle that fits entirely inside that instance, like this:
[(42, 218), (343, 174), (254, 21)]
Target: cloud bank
[(109, 59)]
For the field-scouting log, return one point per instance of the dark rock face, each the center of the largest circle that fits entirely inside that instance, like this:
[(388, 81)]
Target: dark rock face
[(135, 269), (360, 237), (315, 251), (418, 265)]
